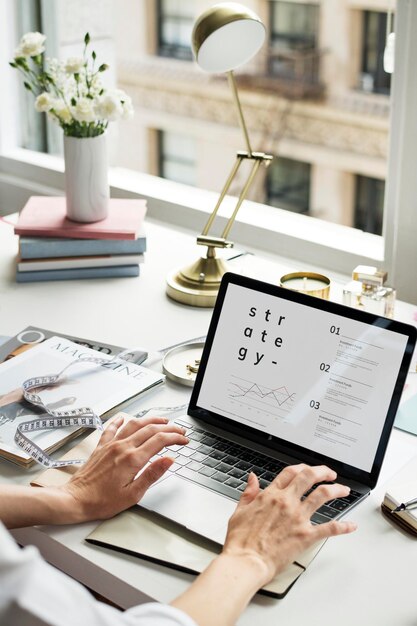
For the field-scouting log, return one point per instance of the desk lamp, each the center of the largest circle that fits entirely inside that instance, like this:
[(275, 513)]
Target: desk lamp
[(224, 37)]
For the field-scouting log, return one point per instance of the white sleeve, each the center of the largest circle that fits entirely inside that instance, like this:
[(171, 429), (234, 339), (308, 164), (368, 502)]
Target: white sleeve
[(33, 592)]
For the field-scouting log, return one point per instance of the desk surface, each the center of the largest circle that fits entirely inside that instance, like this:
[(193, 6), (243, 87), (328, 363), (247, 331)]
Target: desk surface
[(365, 578)]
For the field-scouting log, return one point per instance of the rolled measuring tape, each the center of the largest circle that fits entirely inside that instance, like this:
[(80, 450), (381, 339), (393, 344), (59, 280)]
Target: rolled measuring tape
[(83, 417)]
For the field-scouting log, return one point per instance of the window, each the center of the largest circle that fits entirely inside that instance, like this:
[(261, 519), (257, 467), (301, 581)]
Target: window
[(339, 134), (369, 206), (177, 158), (373, 77), (175, 24), (288, 185), (293, 40)]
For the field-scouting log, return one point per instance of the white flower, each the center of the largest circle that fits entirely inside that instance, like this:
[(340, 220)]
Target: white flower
[(83, 111), (31, 45), (109, 107), (62, 111), (74, 65), (127, 105), (43, 102)]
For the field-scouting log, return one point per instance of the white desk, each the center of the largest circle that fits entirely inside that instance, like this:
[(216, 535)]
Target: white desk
[(366, 578)]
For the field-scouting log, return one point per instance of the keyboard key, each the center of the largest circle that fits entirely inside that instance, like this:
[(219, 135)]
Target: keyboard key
[(269, 476), (208, 441), (185, 451), (204, 449), (207, 471), (243, 465), (193, 465), (237, 473), (221, 445), (263, 483), (196, 436), (224, 467), (339, 505), (317, 518), (216, 454), (193, 445), (220, 477), (328, 512), (198, 457), (232, 460), (210, 462), (182, 460), (242, 487), (174, 467), (233, 482), (257, 470), (236, 450)]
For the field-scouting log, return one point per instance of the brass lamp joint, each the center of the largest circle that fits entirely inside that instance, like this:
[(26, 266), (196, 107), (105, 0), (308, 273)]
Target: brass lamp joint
[(215, 242)]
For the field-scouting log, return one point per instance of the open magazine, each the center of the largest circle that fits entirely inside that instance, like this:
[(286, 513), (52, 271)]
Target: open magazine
[(99, 387), (32, 335)]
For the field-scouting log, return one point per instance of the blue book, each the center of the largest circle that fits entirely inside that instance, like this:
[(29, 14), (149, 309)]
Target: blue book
[(50, 247), (76, 273)]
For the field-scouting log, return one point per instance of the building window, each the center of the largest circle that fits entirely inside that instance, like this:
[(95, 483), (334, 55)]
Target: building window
[(373, 77), (369, 205), (288, 185), (294, 33), (175, 25), (177, 158)]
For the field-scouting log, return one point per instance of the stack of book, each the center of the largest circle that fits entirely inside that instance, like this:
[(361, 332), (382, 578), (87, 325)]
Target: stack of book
[(51, 247)]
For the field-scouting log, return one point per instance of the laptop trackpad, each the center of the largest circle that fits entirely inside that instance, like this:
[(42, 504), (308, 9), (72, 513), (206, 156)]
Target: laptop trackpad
[(194, 507)]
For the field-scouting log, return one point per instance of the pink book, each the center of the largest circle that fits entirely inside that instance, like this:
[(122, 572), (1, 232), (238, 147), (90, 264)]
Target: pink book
[(45, 216)]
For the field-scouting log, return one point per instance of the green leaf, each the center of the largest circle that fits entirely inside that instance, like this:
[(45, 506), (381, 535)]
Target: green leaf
[(103, 67), (93, 54), (73, 102), (87, 39), (12, 64), (100, 93), (28, 87)]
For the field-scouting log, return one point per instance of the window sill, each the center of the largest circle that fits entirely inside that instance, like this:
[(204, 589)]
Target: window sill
[(299, 237)]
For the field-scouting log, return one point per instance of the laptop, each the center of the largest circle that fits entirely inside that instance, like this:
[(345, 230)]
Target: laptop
[(284, 378)]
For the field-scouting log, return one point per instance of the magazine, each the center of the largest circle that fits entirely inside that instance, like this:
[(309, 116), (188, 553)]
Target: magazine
[(100, 387), (32, 336)]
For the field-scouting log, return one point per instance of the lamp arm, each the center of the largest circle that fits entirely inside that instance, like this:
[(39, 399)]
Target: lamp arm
[(223, 194), (233, 86), (242, 196)]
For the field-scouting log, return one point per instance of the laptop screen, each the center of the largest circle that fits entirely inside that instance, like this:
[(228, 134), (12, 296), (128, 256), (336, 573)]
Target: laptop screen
[(308, 372)]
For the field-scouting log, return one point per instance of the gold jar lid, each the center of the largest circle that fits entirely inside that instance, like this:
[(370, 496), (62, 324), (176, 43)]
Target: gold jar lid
[(369, 274)]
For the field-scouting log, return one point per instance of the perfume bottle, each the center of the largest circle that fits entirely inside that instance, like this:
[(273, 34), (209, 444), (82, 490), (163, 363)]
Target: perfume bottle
[(367, 291)]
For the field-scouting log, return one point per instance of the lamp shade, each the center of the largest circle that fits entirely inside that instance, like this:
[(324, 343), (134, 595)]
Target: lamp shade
[(226, 36)]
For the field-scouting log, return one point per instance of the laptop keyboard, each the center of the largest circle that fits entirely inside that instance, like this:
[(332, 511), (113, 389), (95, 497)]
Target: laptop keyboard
[(224, 466)]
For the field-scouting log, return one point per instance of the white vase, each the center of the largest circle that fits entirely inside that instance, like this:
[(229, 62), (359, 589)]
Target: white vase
[(86, 183)]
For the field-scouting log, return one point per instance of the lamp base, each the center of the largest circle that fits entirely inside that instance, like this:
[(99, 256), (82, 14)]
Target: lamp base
[(197, 284)]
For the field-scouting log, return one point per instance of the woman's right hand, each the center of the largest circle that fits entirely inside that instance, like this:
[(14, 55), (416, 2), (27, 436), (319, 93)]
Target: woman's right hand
[(273, 526)]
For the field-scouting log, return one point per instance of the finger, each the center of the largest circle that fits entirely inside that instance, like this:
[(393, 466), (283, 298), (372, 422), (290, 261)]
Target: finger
[(151, 474), (135, 424), (110, 431), (310, 476), (288, 474), (331, 529), (158, 442), (251, 490), (323, 494), (139, 437)]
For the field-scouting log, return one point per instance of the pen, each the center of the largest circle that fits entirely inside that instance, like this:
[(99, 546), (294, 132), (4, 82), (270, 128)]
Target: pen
[(406, 506)]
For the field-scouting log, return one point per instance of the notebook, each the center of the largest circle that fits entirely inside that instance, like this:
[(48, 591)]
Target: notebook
[(284, 378)]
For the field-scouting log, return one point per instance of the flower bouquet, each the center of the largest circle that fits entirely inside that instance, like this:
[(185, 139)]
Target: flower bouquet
[(73, 95)]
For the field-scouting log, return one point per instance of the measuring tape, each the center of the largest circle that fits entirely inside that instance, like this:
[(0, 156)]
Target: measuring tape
[(82, 417)]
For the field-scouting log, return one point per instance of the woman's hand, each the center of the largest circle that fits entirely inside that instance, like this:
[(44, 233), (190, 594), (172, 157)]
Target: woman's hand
[(273, 526), (107, 483)]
